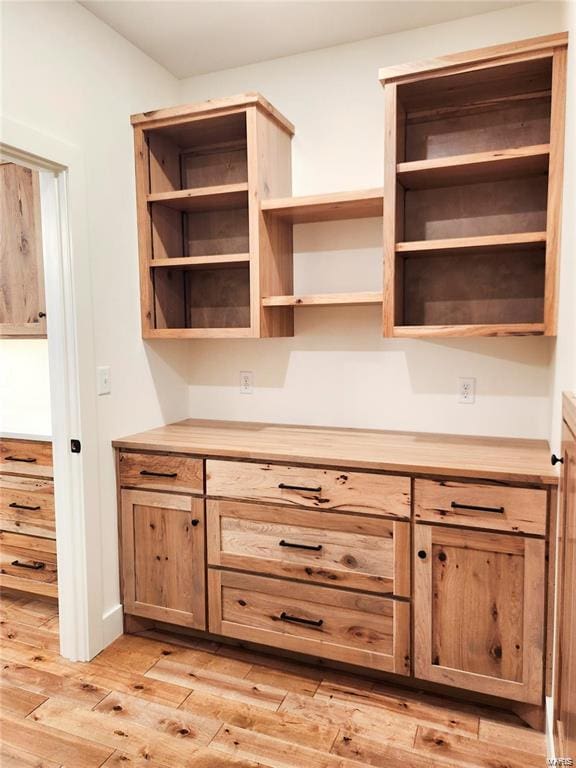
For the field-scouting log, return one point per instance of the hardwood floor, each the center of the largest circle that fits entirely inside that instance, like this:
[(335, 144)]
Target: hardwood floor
[(167, 702)]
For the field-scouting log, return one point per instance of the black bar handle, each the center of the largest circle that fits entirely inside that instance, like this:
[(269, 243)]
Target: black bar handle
[(18, 458), (311, 547), (298, 620), (496, 510), (33, 566), (286, 487), (147, 473), (13, 505)]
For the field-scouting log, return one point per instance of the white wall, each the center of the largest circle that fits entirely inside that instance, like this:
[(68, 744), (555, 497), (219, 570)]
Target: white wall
[(338, 369), (68, 75), (24, 387)]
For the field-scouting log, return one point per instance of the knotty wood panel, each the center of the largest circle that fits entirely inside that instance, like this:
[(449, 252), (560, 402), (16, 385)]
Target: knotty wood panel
[(22, 299), (369, 494), (336, 550), (517, 510), (28, 563), (161, 472), (163, 557), (27, 506), (26, 457), (479, 611), (352, 627)]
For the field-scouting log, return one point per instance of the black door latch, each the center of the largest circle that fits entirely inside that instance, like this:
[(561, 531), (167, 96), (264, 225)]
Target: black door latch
[(75, 446)]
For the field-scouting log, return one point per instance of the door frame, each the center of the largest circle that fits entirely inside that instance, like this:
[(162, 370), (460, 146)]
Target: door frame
[(83, 633)]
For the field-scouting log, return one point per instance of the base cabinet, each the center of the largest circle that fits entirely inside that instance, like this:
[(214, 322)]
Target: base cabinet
[(163, 563), (479, 604)]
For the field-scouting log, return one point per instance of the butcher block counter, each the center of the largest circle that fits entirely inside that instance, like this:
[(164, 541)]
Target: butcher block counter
[(423, 556)]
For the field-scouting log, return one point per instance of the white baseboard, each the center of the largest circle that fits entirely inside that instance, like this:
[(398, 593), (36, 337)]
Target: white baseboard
[(112, 624), (550, 727)]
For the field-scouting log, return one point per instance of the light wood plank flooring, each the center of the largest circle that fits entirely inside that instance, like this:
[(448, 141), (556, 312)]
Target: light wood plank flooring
[(159, 701)]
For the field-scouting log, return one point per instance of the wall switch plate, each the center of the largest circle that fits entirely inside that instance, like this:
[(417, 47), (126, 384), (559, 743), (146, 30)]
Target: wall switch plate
[(103, 380), (466, 391), (246, 382)]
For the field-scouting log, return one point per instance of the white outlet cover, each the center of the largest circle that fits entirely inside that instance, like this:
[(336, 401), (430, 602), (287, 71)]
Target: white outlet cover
[(246, 382), (466, 390)]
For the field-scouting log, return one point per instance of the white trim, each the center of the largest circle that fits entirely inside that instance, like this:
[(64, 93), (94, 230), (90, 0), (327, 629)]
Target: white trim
[(549, 705), (71, 354), (112, 624)]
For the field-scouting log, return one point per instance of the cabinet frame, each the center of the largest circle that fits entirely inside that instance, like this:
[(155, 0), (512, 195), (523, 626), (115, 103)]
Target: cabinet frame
[(196, 616), (530, 688)]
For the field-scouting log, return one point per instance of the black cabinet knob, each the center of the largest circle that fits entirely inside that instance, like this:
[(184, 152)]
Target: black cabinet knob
[(195, 523), (422, 554), (555, 460)]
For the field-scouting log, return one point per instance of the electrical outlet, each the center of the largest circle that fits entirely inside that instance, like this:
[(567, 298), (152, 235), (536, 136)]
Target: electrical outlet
[(103, 380), (467, 391), (246, 382)]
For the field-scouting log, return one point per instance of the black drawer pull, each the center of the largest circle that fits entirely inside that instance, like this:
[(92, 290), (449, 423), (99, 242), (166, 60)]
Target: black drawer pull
[(20, 458), (286, 487), (496, 510), (311, 547), (147, 473), (555, 460), (33, 566), (23, 506), (298, 620)]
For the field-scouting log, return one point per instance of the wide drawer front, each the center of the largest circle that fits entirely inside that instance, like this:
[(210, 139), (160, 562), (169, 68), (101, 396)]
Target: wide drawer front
[(26, 457), (329, 623), (323, 547), (161, 472), (521, 510), (28, 563), (362, 492), (27, 505)]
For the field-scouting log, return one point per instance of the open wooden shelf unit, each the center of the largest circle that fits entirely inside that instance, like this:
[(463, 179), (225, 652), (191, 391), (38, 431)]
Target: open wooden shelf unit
[(472, 184), (205, 258)]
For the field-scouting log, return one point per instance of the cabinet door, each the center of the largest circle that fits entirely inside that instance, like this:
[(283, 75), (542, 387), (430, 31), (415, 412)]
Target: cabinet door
[(163, 563), (22, 306), (479, 611)]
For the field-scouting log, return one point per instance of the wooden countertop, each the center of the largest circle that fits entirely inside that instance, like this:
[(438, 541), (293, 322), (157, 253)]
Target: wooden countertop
[(510, 460)]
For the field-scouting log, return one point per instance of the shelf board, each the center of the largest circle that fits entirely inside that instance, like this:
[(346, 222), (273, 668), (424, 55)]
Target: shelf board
[(323, 300), (204, 198), (336, 206), (202, 262), (481, 166), (198, 333), (522, 240), (505, 329)]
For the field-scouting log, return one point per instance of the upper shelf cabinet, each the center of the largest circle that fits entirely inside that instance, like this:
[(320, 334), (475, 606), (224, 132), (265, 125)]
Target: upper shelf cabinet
[(205, 253), (472, 184)]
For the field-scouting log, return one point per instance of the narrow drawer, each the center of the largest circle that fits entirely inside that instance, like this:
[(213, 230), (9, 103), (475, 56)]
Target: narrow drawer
[(161, 472), (328, 623), (28, 563), (496, 507), (369, 494), (27, 506), (26, 457), (323, 547)]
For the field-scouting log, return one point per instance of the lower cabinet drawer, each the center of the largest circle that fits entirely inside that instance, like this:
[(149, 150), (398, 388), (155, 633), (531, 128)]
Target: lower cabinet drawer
[(27, 506), (161, 472), (28, 563), (355, 628), (338, 550), (26, 457)]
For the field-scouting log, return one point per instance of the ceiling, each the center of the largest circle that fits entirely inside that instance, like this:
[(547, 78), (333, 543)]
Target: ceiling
[(190, 38)]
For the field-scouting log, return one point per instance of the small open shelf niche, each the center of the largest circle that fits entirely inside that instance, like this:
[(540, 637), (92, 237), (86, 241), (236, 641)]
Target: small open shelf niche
[(283, 213), (473, 174), (201, 172)]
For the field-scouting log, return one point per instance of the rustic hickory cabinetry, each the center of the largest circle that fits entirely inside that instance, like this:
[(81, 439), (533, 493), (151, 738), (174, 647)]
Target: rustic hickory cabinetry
[(474, 146), (423, 556), (27, 524)]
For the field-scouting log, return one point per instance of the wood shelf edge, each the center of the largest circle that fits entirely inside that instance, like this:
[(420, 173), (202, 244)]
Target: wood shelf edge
[(324, 299), (332, 206), (501, 329), (201, 262), (465, 243)]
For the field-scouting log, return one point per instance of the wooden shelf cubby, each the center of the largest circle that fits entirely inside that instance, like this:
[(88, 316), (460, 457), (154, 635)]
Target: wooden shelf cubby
[(205, 256), (472, 189)]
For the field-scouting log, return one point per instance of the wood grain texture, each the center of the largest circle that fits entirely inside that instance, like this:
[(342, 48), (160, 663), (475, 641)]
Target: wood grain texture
[(157, 472), (203, 199), (502, 459), (27, 506), (492, 586), (22, 301), (516, 510), (334, 206), (335, 550), (361, 629), (364, 493), (26, 457), (28, 563), (324, 299)]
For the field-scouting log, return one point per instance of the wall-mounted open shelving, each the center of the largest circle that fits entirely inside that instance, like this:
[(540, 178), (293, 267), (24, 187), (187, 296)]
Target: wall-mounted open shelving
[(473, 174)]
